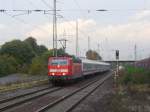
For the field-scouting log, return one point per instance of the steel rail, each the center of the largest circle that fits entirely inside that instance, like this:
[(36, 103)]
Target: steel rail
[(50, 105), (13, 103), (22, 95), (84, 97)]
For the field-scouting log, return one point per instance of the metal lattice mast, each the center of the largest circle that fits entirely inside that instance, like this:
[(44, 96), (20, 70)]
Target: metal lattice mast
[(77, 41), (54, 30)]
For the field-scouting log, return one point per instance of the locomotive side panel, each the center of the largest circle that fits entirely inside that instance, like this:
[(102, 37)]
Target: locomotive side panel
[(77, 70)]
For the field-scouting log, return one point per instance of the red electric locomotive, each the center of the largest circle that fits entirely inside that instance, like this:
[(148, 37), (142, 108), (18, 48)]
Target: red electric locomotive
[(63, 69)]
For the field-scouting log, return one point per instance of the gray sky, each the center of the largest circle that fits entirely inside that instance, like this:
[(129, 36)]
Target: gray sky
[(126, 23)]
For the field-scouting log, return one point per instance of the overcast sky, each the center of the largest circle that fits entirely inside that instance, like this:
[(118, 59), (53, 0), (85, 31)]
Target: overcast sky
[(126, 23)]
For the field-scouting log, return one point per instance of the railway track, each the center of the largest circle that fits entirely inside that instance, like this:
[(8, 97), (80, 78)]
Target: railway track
[(22, 95), (20, 99), (69, 102), (59, 99)]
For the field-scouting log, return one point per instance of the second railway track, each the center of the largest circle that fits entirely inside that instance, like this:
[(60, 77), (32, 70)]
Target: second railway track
[(17, 100), (69, 102), (22, 95)]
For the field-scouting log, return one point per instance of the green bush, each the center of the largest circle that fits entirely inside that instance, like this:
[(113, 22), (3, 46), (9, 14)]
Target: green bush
[(135, 75), (8, 65), (24, 68), (38, 66)]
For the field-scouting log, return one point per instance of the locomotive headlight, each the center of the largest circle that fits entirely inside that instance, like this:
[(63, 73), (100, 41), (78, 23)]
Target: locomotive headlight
[(53, 74), (58, 66), (64, 74)]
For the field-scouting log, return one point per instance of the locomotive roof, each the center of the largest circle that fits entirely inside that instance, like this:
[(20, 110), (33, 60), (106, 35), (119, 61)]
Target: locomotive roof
[(94, 62), (83, 60), (75, 59)]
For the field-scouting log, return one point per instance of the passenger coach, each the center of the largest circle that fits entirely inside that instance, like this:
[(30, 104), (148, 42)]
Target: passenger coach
[(91, 67)]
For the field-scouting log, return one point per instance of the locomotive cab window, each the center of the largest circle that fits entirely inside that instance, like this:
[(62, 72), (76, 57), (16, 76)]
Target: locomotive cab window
[(58, 62)]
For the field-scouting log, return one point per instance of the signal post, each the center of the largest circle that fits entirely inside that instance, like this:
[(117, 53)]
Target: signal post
[(116, 74)]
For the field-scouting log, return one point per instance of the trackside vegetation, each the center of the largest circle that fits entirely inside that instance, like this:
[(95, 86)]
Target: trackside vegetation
[(132, 91), (17, 56), (28, 57), (93, 55), (25, 56), (135, 75), (8, 65)]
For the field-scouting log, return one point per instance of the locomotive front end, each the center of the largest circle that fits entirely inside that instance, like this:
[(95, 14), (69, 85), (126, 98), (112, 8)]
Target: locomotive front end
[(59, 68)]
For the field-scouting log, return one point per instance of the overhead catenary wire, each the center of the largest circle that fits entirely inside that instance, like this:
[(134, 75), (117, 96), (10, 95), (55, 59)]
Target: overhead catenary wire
[(17, 19), (33, 5), (25, 11), (79, 8), (73, 26), (63, 16), (6, 12), (50, 10), (29, 11), (46, 4), (24, 22)]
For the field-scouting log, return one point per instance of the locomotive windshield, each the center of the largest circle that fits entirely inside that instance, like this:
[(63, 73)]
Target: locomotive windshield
[(59, 62)]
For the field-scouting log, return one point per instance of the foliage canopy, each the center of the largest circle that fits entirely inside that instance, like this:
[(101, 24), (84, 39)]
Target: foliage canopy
[(93, 55), (8, 64), (17, 55)]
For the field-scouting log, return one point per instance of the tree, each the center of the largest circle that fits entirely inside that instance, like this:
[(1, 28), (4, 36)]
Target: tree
[(21, 51), (93, 55), (32, 42), (8, 65), (42, 49), (38, 66), (36, 48)]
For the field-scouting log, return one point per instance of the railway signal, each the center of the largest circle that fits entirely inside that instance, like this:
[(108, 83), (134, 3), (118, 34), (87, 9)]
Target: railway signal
[(117, 54), (116, 74), (117, 59)]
